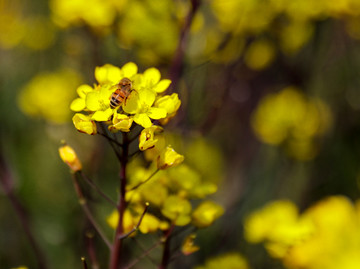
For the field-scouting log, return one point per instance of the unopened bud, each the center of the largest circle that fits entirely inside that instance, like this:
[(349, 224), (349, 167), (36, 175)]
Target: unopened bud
[(68, 155)]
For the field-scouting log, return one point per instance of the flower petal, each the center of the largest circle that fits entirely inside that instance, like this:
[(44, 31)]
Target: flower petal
[(82, 90), (152, 76), (102, 115), (143, 120), (156, 113), (129, 69), (77, 105), (108, 74), (92, 101), (162, 85)]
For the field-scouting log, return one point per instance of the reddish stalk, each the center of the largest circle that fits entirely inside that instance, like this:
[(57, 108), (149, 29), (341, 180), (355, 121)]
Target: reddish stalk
[(115, 257)]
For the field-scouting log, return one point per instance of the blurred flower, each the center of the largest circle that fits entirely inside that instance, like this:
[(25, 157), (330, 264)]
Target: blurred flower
[(169, 158), (68, 155), (177, 209), (289, 117), (188, 247), (259, 55), (279, 225), (97, 13), (48, 95), (228, 261), (316, 239), (206, 213), (152, 27), (39, 33)]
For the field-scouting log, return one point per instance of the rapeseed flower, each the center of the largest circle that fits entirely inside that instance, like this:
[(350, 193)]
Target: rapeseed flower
[(143, 104)]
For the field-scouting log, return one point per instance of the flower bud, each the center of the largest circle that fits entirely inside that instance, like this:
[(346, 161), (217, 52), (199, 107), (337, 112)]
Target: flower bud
[(68, 155), (169, 158)]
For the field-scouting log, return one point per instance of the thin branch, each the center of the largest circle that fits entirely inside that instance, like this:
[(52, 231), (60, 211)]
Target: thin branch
[(89, 236), (143, 255), (153, 261), (123, 236), (178, 60), (94, 186), (143, 182), (111, 142), (7, 182), (83, 203), (110, 139)]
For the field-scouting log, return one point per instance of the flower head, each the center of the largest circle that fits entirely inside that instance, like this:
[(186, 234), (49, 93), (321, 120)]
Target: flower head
[(140, 101)]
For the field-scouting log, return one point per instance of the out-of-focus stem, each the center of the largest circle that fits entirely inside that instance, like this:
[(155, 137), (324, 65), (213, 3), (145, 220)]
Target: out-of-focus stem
[(93, 185), (83, 203), (178, 60), (166, 249), (7, 183)]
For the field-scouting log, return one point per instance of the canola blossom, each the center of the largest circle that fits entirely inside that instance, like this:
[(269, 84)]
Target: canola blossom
[(145, 104), (291, 119), (317, 238)]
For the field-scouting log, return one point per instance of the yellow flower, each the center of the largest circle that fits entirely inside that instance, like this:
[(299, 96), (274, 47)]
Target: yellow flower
[(84, 124), (206, 213), (147, 137), (121, 122), (169, 158), (177, 209), (129, 221), (141, 104), (68, 155), (79, 104), (188, 247), (171, 104), (110, 74)]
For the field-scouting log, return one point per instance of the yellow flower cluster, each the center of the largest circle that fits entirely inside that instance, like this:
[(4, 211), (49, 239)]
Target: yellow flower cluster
[(290, 118), (35, 32), (326, 235), (141, 102), (169, 193), (290, 23)]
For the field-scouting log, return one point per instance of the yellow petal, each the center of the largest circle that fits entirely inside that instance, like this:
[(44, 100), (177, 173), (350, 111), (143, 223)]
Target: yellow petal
[(169, 158), (83, 90), (129, 69), (156, 113), (152, 76), (108, 74), (83, 124), (162, 85), (143, 120), (77, 105)]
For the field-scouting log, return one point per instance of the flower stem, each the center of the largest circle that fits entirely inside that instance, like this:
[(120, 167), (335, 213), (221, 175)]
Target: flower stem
[(115, 257), (166, 249)]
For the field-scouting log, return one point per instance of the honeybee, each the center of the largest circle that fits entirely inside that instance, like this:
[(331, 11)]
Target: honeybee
[(122, 92)]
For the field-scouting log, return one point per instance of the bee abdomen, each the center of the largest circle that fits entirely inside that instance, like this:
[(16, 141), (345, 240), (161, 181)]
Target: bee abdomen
[(115, 101)]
